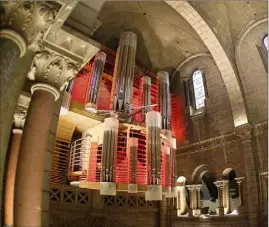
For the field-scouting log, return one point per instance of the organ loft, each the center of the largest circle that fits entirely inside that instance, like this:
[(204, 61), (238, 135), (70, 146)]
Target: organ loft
[(134, 113)]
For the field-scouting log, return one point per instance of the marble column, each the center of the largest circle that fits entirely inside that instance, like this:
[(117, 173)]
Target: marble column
[(19, 119), (220, 185), (22, 24), (51, 73), (244, 133)]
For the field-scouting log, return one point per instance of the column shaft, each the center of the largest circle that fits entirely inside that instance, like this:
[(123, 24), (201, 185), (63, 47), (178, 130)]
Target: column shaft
[(11, 173), (30, 170)]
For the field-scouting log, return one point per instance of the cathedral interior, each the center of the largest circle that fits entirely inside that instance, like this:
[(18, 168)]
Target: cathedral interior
[(134, 113)]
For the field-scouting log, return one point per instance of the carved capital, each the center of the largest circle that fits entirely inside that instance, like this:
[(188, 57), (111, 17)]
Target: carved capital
[(29, 20), (244, 132), (220, 183), (239, 180), (19, 118), (260, 128), (52, 68)]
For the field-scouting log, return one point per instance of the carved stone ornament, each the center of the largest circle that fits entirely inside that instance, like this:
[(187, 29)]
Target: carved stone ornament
[(244, 132), (19, 118), (260, 128), (53, 69), (25, 20)]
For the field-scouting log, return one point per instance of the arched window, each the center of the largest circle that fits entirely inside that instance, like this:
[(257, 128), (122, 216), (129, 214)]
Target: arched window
[(199, 89), (265, 42)]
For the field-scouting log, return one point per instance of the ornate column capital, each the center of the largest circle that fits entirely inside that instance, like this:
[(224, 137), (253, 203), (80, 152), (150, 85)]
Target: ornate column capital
[(220, 183), (185, 77), (190, 187), (244, 132), (239, 180), (53, 69), (19, 119), (25, 22), (260, 128)]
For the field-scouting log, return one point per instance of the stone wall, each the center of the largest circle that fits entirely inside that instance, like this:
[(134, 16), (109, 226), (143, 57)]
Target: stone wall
[(252, 72), (218, 119)]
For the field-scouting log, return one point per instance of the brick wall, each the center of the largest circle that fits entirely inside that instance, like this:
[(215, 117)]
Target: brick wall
[(218, 119)]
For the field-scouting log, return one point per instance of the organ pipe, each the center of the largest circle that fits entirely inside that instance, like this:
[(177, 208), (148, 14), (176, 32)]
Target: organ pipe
[(132, 156), (110, 139), (98, 68), (124, 75), (67, 98), (146, 93), (153, 128), (164, 99)]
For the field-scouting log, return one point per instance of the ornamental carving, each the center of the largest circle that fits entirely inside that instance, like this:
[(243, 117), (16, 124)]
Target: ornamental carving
[(260, 128), (52, 68), (244, 132), (209, 143), (30, 19), (19, 118)]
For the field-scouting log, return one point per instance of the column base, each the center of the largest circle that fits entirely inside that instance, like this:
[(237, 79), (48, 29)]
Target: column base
[(197, 212), (220, 211)]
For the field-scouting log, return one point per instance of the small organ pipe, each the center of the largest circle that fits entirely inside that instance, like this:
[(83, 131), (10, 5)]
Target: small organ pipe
[(164, 99), (133, 146), (98, 68), (153, 124), (125, 72), (146, 93), (109, 149)]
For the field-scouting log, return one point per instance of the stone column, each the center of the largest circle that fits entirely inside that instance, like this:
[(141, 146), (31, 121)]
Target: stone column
[(51, 72), (163, 218), (244, 133), (239, 181), (19, 118), (185, 80), (22, 24), (220, 185), (198, 198), (191, 198)]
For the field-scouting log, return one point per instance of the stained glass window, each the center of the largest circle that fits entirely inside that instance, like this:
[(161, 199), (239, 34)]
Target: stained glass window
[(265, 42), (199, 89)]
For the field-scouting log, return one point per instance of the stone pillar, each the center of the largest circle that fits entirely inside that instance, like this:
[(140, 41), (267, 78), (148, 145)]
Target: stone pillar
[(163, 218), (22, 24), (19, 118), (198, 198), (244, 133), (51, 72), (191, 198), (185, 80), (220, 185), (239, 181)]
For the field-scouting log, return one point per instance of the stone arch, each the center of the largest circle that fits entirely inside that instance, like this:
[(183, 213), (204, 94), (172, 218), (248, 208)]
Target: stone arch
[(229, 174), (219, 55), (250, 67), (201, 175)]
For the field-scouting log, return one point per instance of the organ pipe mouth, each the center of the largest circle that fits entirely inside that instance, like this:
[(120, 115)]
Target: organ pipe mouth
[(91, 107)]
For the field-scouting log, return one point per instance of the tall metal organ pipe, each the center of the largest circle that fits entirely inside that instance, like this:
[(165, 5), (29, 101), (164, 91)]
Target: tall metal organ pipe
[(124, 74), (164, 99), (110, 139), (146, 93), (153, 127), (98, 68)]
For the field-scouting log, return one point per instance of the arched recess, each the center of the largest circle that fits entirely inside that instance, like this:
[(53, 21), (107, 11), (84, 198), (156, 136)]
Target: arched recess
[(230, 191), (201, 175), (252, 71), (219, 55)]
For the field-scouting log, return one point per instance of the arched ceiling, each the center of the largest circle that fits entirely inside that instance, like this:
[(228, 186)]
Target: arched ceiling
[(164, 37)]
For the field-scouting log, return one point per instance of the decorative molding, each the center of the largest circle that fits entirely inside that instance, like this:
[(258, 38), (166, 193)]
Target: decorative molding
[(54, 69), (244, 132), (208, 144), (46, 87), (19, 118), (24, 101), (260, 128), (30, 19)]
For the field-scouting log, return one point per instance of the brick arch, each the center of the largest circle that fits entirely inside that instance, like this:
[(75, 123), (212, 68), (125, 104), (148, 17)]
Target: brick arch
[(219, 55)]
